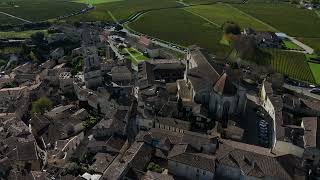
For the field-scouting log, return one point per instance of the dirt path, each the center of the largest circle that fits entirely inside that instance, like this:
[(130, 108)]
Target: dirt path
[(248, 15), (204, 18), (302, 45), (21, 19)]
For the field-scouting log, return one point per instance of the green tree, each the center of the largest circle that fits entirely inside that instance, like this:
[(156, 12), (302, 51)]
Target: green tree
[(231, 28), (317, 52), (71, 168), (33, 57), (37, 38), (77, 65), (294, 1), (41, 105), (154, 167), (91, 121), (2, 62)]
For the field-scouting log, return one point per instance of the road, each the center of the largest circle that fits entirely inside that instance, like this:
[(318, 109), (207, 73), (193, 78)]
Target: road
[(157, 42), (24, 20), (301, 90), (115, 50), (308, 49)]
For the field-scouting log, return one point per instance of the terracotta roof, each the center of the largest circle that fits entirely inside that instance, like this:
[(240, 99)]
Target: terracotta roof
[(39, 122), (26, 151), (101, 162), (121, 73), (144, 41), (252, 160), (186, 155)]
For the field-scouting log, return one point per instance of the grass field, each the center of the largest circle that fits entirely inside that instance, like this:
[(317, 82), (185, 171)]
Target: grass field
[(315, 69), (285, 17), (221, 13), (39, 10), (312, 42), (4, 20), (210, 1), (95, 1), (181, 27), (135, 56), (292, 64), (22, 34), (290, 45), (123, 9)]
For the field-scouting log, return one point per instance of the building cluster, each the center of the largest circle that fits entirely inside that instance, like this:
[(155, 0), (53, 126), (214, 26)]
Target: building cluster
[(163, 118)]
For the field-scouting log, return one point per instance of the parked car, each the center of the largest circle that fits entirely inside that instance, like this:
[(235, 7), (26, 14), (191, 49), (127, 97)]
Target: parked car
[(315, 91)]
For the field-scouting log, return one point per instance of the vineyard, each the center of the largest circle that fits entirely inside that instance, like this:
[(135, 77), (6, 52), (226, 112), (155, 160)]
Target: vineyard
[(315, 68), (292, 64)]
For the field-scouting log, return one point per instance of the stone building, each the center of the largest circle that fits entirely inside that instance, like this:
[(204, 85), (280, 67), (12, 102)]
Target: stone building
[(92, 67), (10, 96), (206, 84), (110, 54), (66, 82)]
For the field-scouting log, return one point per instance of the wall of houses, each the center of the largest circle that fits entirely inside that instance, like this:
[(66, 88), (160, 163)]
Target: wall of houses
[(288, 147), (66, 84), (233, 104), (35, 164), (226, 172), (153, 52), (280, 146), (218, 104), (71, 145), (93, 78), (103, 132), (167, 127), (267, 105), (189, 172), (143, 123)]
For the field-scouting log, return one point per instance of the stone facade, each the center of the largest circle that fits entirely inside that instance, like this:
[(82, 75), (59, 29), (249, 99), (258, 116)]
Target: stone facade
[(189, 172)]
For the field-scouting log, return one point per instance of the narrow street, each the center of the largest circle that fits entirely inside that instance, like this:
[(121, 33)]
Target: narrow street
[(302, 90), (155, 42)]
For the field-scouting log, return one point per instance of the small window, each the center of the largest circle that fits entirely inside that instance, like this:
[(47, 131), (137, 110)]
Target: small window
[(204, 172)]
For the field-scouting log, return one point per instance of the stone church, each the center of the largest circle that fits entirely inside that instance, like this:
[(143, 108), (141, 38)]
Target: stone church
[(204, 84), (92, 66)]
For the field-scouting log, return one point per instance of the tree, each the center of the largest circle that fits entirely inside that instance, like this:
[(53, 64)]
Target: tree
[(118, 28), (71, 168), (154, 167), (277, 80), (294, 1), (317, 52), (77, 24), (2, 62), (91, 121), (41, 105), (247, 49), (77, 65), (231, 28), (33, 57), (37, 37)]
